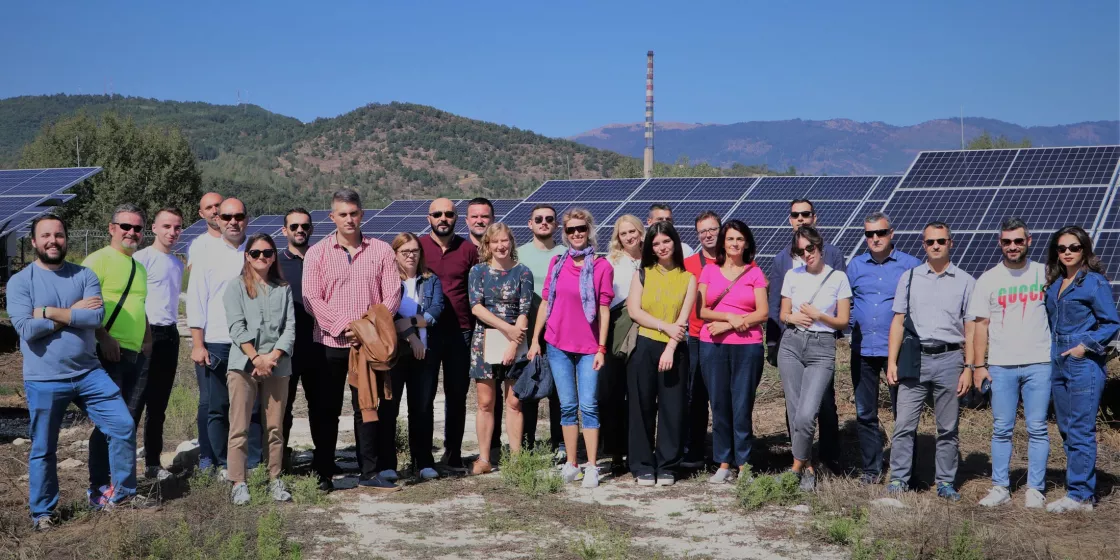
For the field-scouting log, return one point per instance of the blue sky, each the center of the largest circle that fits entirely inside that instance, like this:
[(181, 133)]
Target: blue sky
[(563, 68)]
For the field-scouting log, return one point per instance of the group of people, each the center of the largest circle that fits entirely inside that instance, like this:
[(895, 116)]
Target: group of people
[(660, 334)]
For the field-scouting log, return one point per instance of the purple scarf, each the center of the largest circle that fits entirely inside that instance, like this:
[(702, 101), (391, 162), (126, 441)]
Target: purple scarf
[(586, 281)]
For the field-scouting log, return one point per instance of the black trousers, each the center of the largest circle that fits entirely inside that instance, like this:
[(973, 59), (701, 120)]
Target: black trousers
[(161, 378), (453, 353), (307, 362), (614, 413), (415, 380), (657, 403), (865, 384), (130, 375), (324, 392), (696, 401)]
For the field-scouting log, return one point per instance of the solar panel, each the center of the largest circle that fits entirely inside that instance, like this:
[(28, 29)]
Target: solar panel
[(967, 168), (722, 188), (406, 207), (23, 192), (559, 191), (1046, 208), (782, 188), (841, 188), (885, 187), (1107, 247), (660, 190), (611, 189), (962, 209), (1093, 165)]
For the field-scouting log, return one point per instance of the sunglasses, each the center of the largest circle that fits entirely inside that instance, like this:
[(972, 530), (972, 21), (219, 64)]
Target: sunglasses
[(802, 252), (1071, 248), (256, 253), (1009, 242), (805, 214), (575, 229), (129, 227), (439, 214), (542, 219), (304, 227), (939, 241), (876, 233), (232, 217)]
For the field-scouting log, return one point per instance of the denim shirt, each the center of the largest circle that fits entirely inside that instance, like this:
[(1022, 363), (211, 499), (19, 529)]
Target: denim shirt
[(1084, 314), (431, 302), (873, 288)]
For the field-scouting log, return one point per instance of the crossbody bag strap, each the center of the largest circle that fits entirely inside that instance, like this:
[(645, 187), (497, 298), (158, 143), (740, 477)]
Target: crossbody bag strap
[(821, 287), (721, 295), (908, 282), (124, 296)]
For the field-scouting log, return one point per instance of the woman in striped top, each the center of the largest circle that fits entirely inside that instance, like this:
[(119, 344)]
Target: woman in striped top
[(659, 303)]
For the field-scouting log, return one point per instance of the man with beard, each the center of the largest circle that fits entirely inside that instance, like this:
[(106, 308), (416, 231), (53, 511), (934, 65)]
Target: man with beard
[(536, 255), (217, 265), (165, 283), (307, 356), (207, 210), (1010, 307), (450, 257), (696, 399), (55, 306), (480, 214), (124, 342)]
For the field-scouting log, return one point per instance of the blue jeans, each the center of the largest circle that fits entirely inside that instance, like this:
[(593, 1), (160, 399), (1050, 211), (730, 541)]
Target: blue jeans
[(205, 450), (1033, 381), (100, 398), (130, 375), (732, 373), (570, 370), (1077, 384), (217, 416)]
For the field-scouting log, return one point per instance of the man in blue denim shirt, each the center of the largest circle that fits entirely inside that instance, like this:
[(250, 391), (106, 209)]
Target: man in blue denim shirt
[(874, 278), (55, 306)]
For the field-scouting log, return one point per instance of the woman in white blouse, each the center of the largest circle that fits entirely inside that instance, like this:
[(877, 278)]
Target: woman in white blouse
[(626, 257)]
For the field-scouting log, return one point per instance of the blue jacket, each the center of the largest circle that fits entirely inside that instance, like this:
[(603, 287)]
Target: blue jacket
[(1084, 314), (431, 301)]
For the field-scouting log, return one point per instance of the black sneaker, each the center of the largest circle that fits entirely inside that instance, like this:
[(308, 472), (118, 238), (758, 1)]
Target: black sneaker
[(326, 484), (379, 484), (647, 480)]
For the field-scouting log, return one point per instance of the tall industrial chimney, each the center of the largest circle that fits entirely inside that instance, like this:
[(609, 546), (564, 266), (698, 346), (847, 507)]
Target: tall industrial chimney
[(647, 169)]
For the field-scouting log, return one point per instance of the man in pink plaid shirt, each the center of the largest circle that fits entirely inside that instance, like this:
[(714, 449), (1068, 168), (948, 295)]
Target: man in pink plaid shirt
[(343, 275)]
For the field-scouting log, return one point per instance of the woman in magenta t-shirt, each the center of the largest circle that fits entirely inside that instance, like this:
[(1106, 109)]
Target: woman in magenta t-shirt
[(734, 308), (577, 294)]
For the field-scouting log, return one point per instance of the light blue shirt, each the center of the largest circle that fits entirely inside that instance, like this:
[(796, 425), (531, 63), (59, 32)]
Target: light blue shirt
[(50, 353), (873, 290)]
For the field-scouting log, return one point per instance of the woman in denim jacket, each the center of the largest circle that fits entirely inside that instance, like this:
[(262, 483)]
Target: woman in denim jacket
[(1083, 321), (421, 304)]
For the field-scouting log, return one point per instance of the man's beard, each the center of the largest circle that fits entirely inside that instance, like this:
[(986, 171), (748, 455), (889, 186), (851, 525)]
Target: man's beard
[(542, 237), (1022, 257), (443, 230), (213, 224), (47, 259)]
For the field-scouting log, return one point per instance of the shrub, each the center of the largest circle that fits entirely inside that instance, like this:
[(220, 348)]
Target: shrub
[(756, 492), (530, 472)]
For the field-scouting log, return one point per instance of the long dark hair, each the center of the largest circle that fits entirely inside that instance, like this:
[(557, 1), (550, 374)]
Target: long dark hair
[(274, 275), (662, 228), (748, 251), (1054, 267)]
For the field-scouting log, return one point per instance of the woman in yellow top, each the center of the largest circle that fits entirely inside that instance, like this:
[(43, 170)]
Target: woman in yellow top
[(658, 369)]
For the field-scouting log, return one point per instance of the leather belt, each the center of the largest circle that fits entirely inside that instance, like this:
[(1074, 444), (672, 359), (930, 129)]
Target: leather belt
[(940, 348)]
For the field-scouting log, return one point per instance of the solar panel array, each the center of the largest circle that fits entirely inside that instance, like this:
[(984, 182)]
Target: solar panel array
[(28, 193)]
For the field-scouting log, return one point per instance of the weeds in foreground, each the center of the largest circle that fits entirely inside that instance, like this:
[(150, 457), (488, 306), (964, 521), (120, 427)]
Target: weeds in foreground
[(963, 546), (530, 472), (602, 542), (756, 492), (842, 529), (182, 412)]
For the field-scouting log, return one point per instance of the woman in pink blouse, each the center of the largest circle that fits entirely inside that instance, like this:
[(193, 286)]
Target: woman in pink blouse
[(576, 299)]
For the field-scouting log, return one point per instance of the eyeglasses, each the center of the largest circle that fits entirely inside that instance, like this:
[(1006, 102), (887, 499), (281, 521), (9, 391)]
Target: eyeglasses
[(542, 219), (939, 241), (876, 232), (257, 253), (129, 227), (409, 252), (805, 214), (575, 229), (1071, 248), (808, 249), (304, 227), (707, 231), (1009, 242), (439, 214), (232, 217)]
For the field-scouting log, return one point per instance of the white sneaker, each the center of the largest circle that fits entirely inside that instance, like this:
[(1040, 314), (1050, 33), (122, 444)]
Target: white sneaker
[(590, 476), (1067, 504), (1034, 499), (239, 495), (224, 473), (428, 473), (722, 476), (997, 496), (569, 472), (665, 479), (389, 474)]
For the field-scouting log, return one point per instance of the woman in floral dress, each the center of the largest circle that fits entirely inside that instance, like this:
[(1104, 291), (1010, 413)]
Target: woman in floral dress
[(501, 293)]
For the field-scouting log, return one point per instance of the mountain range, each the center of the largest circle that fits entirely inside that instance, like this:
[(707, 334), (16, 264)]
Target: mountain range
[(835, 146)]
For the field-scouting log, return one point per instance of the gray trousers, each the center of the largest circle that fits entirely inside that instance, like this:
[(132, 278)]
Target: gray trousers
[(806, 363), (939, 376)]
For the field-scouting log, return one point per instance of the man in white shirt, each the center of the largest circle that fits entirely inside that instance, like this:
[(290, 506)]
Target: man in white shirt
[(207, 210), (1010, 307), (663, 213), (165, 282), (218, 264)]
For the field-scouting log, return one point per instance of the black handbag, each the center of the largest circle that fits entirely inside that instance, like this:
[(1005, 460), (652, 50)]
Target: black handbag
[(910, 354)]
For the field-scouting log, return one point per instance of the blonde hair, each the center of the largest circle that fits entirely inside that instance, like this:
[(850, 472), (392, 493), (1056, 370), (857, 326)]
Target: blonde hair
[(579, 214), (398, 242), (616, 244), (495, 229)]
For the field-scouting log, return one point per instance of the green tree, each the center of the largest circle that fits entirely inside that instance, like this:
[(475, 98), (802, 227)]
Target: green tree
[(151, 166), (986, 142)]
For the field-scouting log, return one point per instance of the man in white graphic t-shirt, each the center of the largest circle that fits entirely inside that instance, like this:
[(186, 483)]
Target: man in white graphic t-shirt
[(1009, 305)]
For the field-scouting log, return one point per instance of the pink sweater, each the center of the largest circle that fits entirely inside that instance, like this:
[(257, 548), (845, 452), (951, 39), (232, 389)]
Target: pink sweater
[(567, 328)]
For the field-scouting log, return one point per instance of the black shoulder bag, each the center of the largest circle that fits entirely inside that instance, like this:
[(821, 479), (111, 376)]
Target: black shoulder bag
[(910, 354), (124, 296)]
